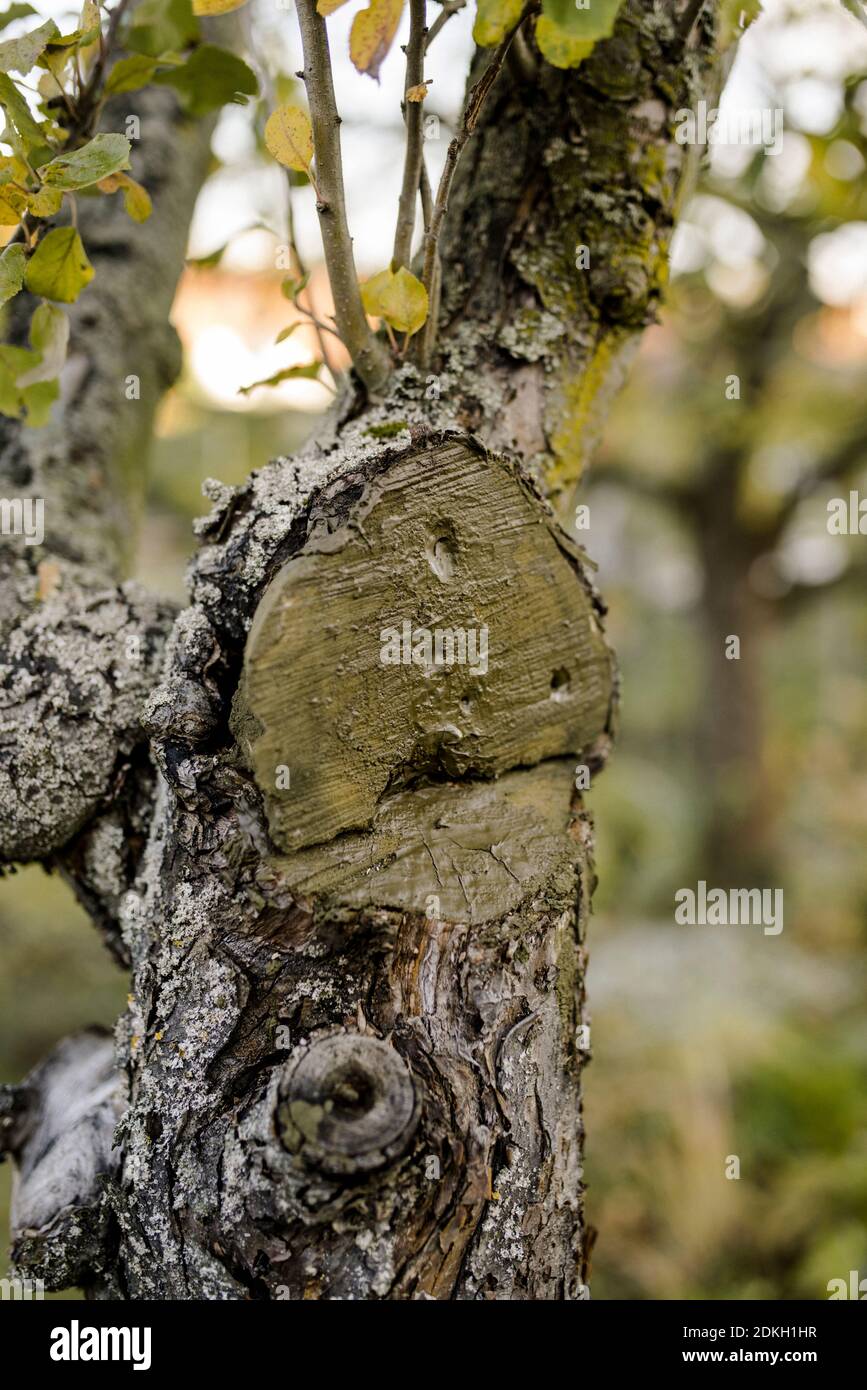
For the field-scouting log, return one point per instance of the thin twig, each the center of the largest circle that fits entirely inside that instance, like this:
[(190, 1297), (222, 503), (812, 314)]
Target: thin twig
[(449, 8), (320, 328), (304, 306), (424, 189), (413, 116), (469, 120), (368, 354), (90, 99)]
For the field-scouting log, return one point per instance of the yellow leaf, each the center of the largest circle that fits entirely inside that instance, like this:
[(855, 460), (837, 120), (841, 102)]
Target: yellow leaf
[(559, 47), (90, 23), (12, 205), (216, 6), (417, 93), (45, 203), (372, 35), (136, 199), (326, 7), (494, 19), (399, 298), (289, 137)]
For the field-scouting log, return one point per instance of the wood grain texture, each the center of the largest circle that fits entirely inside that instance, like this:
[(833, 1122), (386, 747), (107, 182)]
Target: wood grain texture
[(445, 540)]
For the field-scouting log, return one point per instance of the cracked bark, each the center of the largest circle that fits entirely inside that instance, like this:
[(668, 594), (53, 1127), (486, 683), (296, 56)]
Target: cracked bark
[(351, 1060)]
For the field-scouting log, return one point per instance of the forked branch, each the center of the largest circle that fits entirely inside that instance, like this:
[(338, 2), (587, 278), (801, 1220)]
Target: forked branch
[(368, 354)]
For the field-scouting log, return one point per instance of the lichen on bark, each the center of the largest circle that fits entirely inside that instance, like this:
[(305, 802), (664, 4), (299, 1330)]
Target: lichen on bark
[(350, 1065)]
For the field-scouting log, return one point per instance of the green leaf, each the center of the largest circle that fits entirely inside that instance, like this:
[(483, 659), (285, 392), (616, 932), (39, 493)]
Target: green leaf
[(398, 298), (20, 55), (15, 12), (101, 156), (594, 21), (37, 401), (33, 402), (856, 7), (310, 370), (209, 79), (292, 288), (287, 332), (27, 136), (59, 268), (494, 18), (13, 263), (559, 47), (10, 400), (49, 337), (130, 74), (161, 26)]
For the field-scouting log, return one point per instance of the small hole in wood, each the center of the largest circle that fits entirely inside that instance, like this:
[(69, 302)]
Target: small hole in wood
[(560, 683)]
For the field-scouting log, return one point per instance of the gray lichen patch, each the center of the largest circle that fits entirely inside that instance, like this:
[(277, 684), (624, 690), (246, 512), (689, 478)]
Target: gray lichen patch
[(73, 680), (438, 626)]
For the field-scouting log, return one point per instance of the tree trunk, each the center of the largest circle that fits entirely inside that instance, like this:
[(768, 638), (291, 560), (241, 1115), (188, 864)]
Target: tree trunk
[(350, 1067)]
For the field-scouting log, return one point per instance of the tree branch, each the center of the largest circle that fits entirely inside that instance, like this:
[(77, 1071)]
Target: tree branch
[(413, 116), (472, 110), (449, 8), (368, 354), (80, 649)]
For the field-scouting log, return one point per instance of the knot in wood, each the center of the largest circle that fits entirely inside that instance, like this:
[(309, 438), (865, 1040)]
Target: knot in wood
[(348, 1105)]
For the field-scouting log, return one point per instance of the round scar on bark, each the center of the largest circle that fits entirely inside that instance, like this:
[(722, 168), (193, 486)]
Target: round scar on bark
[(439, 626), (348, 1105)]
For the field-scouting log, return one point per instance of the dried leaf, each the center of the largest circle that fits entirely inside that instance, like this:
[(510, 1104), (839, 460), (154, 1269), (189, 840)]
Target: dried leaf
[(289, 137), (372, 35), (136, 199), (419, 92)]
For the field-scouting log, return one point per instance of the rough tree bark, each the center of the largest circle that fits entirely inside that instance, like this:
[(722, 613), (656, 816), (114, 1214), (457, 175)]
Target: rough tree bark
[(350, 1066)]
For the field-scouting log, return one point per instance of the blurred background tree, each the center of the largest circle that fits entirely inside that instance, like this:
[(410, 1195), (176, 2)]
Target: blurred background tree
[(708, 518), (745, 416)]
